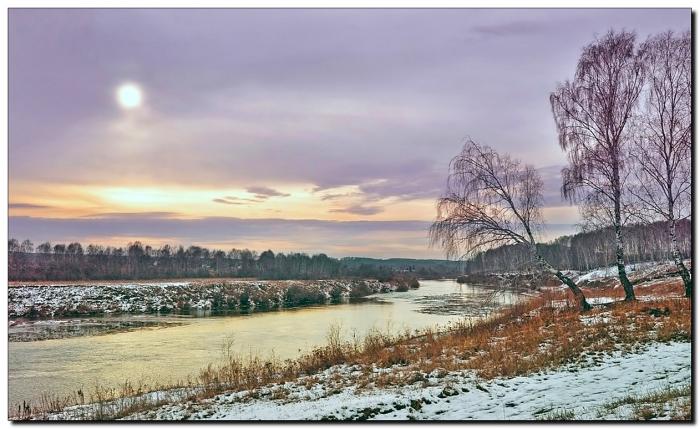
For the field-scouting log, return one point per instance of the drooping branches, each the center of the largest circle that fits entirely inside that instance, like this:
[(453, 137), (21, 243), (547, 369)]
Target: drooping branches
[(491, 200), (483, 201), (592, 114), (662, 144)]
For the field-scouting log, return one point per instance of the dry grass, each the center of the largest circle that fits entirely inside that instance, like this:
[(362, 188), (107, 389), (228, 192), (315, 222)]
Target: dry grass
[(669, 402), (526, 338), (533, 336), (673, 402), (104, 403), (538, 334)]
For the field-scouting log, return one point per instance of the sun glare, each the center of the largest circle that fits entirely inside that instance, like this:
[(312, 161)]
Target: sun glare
[(129, 96)]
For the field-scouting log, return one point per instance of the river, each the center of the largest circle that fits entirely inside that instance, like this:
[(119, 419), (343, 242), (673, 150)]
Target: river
[(61, 366)]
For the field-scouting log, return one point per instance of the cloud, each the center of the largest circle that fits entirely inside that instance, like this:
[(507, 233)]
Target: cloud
[(336, 196), (377, 100), (359, 209), (226, 201), (133, 215), (551, 186), (336, 238), (511, 28), (406, 181), (262, 192), (27, 206), (416, 180)]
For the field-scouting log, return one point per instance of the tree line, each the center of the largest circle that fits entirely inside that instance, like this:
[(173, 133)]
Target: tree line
[(74, 261), (624, 123), (587, 250)]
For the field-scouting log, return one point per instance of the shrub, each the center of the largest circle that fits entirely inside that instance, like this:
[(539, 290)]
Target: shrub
[(300, 295), (404, 282)]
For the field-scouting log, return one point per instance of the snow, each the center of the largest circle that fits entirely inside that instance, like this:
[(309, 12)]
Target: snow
[(598, 274), (460, 395), (596, 319), (89, 411), (642, 269), (602, 300), (48, 300)]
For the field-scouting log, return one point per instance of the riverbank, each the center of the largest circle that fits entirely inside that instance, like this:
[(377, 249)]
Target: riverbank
[(598, 278), (446, 374), (48, 300), (166, 356), (539, 360), (650, 383)]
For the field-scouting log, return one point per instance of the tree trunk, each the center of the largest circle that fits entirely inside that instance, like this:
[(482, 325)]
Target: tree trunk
[(682, 269), (583, 305), (617, 223), (621, 272)]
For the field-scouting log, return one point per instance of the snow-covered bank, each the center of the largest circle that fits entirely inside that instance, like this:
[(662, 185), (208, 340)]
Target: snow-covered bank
[(635, 272), (580, 392), (168, 297)]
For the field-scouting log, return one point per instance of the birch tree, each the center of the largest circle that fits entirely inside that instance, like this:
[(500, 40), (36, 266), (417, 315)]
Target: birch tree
[(662, 147), (492, 200), (592, 114)]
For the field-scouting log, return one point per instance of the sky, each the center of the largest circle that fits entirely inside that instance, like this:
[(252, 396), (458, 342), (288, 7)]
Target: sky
[(297, 130)]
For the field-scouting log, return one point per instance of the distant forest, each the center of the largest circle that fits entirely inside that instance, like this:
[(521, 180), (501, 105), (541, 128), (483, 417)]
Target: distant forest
[(582, 251), (588, 250), (138, 261)]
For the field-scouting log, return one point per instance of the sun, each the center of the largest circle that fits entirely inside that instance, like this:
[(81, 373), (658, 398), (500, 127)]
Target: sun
[(129, 96)]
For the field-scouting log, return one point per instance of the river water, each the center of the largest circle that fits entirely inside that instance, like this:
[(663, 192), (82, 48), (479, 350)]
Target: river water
[(62, 366)]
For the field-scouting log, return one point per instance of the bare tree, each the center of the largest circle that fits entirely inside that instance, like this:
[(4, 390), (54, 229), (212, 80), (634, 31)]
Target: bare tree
[(44, 247), (26, 247), (662, 146), (74, 249), (492, 200), (94, 249), (592, 114)]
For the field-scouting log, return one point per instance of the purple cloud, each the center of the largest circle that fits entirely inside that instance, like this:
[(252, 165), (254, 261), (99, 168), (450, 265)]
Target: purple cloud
[(368, 238), (359, 209), (336, 238), (380, 92), (514, 28), (226, 201), (263, 192), (377, 99)]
